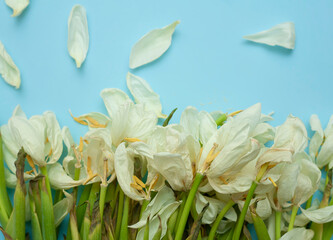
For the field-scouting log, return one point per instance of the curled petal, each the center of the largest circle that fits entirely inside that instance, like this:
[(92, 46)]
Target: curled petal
[(59, 178), (143, 93), (62, 208)]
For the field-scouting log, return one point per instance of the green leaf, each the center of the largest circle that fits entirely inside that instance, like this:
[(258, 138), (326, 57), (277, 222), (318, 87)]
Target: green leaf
[(167, 120), (16, 224), (259, 225)]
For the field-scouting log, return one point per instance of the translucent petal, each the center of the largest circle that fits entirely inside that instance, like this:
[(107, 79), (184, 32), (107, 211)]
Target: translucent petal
[(317, 137), (62, 208), (78, 36), (8, 70), (59, 178), (321, 215), (54, 136), (17, 5), (298, 234), (114, 98), (143, 93), (176, 170), (152, 45), (164, 197), (280, 35)]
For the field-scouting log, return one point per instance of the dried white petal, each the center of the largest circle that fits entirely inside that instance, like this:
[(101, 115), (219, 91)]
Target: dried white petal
[(17, 5), (280, 35), (78, 36), (321, 215), (152, 45), (8, 70), (62, 208), (317, 137), (143, 93), (298, 234)]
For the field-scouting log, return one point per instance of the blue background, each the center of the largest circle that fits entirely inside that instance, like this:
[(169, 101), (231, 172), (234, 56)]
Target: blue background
[(208, 65)]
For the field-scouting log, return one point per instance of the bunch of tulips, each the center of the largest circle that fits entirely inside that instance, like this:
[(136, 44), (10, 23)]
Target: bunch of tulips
[(211, 176)]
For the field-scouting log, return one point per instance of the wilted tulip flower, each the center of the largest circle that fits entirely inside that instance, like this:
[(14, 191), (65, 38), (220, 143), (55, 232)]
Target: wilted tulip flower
[(40, 136)]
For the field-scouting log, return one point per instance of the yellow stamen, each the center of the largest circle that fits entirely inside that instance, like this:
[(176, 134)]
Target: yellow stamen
[(223, 180), (29, 172), (154, 182), (193, 169), (86, 141), (106, 169), (235, 113), (131, 140), (94, 123), (31, 164), (50, 153), (136, 186), (200, 152), (81, 145), (91, 177), (274, 184), (89, 166), (138, 181), (79, 120), (211, 156), (46, 140)]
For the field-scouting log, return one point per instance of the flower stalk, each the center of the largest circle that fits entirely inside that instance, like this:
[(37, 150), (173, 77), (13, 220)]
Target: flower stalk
[(278, 215), (6, 206), (16, 223), (219, 219), (187, 208), (292, 218)]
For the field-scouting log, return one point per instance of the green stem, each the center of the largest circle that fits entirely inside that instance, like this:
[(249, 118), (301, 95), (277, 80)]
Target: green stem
[(35, 224), (47, 180), (183, 198), (124, 221), (93, 195), (102, 200), (16, 224), (48, 227), (219, 219), (197, 180), (309, 202), (240, 222), (3, 217), (59, 194), (81, 207), (120, 212), (5, 203), (114, 200), (73, 226), (292, 218), (278, 215), (146, 234), (143, 207)]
